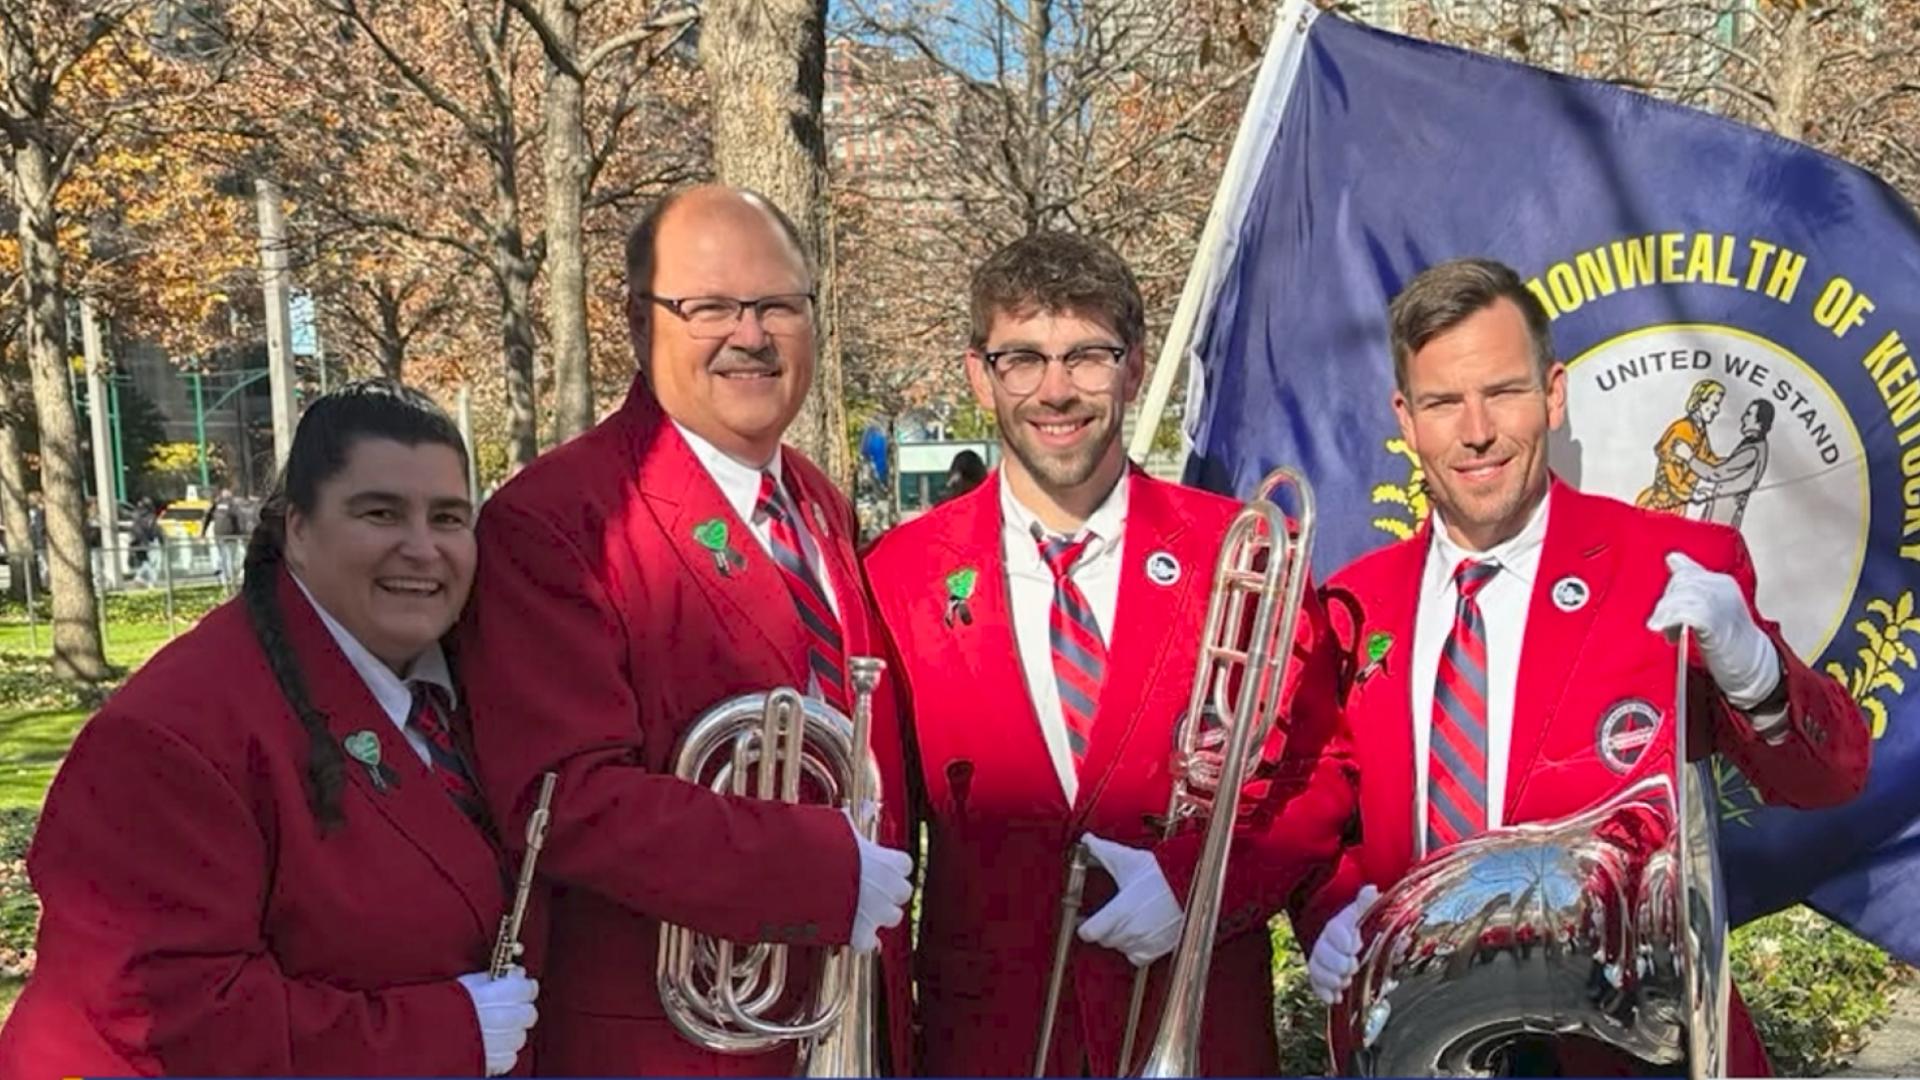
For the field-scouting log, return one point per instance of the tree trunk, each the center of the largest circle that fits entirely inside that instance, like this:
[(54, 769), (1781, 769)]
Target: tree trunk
[(391, 339), (513, 278), (765, 61), (13, 495), (1039, 28), (564, 155), (77, 652), (1796, 75)]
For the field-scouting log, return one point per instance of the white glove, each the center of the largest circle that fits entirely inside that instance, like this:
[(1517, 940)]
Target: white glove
[(504, 1007), (1336, 956), (885, 885), (1743, 661), (1143, 919)]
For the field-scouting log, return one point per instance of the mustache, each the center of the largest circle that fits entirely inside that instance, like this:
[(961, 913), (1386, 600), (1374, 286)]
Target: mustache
[(731, 359)]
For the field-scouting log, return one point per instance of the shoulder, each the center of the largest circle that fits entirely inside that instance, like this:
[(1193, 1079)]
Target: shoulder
[(904, 547), (209, 689), (1713, 545), (816, 481), (570, 485), (1201, 508), (1382, 564)]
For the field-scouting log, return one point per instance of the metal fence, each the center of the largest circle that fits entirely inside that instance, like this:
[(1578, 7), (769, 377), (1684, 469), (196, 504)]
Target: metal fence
[(163, 568)]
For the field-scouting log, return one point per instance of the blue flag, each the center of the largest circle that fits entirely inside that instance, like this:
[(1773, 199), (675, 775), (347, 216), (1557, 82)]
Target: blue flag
[(1707, 282)]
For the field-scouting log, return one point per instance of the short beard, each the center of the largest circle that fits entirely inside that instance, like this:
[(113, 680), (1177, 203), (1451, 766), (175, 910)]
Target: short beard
[(1057, 473)]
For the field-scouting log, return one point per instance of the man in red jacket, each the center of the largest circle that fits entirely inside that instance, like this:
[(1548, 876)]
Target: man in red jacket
[(1503, 662), (1047, 624), (671, 558)]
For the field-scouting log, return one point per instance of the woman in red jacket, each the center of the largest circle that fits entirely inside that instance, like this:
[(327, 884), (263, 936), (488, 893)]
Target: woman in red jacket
[(264, 855)]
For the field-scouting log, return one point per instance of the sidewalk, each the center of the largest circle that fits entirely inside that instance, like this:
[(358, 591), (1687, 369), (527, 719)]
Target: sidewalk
[(1894, 1050)]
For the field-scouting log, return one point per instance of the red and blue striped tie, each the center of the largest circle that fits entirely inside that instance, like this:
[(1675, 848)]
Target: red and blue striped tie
[(1079, 655), (444, 759), (826, 655), (1457, 758)]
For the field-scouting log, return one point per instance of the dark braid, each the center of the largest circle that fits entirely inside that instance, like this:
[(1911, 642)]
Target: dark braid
[(375, 408), (260, 588)]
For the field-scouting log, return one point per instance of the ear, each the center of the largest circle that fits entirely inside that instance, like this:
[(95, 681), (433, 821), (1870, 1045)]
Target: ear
[(1403, 412), (1556, 396), (980, 379), (1136, 374), (640, 332), (298, 538)]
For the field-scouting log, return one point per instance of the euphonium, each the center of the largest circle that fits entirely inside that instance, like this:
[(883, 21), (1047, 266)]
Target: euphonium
[(1259, 584), (722, 996), (1608, 924)]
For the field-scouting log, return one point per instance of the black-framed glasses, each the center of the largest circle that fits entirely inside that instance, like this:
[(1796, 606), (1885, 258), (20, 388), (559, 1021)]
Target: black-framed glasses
[(716, 316), (1092, 368)]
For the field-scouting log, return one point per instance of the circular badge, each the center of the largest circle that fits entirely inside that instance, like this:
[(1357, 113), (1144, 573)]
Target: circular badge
[(1626, 731), (1570, 594), (1163, 568)]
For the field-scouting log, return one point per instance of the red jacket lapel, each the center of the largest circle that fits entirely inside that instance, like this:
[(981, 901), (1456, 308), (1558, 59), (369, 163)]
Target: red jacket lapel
[(414, 802), (1372, 609), (1145, 625), (992, 654), (1572, 550), (732, 571)]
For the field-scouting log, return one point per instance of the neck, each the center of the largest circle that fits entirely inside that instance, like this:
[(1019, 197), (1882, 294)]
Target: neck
[(1063, 510), (754, 454)]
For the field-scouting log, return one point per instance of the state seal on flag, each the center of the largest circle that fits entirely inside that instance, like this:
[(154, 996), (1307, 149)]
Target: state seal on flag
[(1720, 424)]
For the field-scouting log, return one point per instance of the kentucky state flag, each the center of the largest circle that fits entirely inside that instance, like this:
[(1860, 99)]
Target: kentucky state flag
[(1709, 284)]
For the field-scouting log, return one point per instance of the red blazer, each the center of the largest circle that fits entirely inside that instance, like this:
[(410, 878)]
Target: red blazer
[(1573, 667), (599, 630), (1001, 828), (196, 920)]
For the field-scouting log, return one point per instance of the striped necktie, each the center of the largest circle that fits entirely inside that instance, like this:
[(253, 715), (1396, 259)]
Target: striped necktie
[(1079, 655), (1457, 757), (826, 656), (444, 759)]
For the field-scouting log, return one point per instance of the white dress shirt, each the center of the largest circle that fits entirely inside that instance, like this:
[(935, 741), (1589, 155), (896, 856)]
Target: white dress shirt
[(393, 693), (1504, 602), (740, 484), (1030, 588)]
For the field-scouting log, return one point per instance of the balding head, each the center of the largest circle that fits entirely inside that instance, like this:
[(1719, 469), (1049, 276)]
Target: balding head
[(741, 389)]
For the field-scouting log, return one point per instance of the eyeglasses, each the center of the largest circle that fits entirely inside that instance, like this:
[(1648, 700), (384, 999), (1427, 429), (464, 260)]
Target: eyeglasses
[(716, 316), (1091, 367)]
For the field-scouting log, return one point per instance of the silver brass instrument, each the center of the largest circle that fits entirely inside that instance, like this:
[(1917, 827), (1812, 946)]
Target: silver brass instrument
[(723, 996), (1609, 924), (1259, 584), (506, 946)]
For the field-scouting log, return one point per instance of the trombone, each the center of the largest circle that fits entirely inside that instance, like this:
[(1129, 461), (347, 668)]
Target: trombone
[(1259, 585)]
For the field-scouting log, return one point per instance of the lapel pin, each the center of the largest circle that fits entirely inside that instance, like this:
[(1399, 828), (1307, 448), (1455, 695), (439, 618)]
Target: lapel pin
[(819, 518), (1163, 568), (960, 585), (364, 747), (1570, 594), (1379, 644), (712, 535)]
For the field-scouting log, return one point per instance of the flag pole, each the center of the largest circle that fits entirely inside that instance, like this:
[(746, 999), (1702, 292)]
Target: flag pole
[(1286, 46)]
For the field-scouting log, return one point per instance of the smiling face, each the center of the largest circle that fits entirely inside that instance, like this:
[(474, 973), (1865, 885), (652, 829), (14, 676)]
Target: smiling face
[(739, 391), (388, 547), (1061, 439), (1477, 412)]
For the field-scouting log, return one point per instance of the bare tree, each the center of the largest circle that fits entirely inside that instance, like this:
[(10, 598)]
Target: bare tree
[(571, 163)]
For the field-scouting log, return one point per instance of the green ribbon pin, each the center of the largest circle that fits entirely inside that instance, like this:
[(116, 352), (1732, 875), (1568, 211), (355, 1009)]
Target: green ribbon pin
[(712, 535), (364, 747), (960, 585), (1379, 644)]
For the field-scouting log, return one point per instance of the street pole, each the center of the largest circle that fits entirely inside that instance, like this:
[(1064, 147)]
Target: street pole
[(274, 287), (466, 436), (200, 428), (119, 442), (104, 508)]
